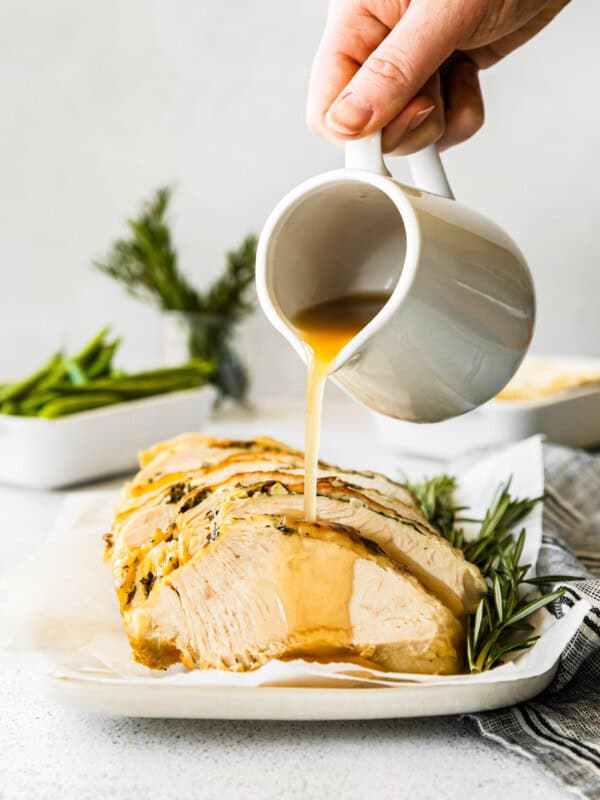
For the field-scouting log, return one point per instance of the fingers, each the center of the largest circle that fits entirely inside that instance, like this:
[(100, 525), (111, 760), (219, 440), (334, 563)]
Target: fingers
[(464, 103), (349, 38), (504, 42), (375, 58), (448, 111), (419, 124), (380, 90), (331, 70), (389, 90)]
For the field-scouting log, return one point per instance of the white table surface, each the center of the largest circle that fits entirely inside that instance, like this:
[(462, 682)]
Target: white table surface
[(47, 751)]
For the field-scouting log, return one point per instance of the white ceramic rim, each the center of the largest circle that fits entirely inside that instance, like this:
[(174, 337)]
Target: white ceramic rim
[(292, 703), (396, 194)]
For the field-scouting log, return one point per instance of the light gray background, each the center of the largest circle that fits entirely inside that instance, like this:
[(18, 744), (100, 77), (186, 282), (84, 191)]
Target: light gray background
[(102, 102)]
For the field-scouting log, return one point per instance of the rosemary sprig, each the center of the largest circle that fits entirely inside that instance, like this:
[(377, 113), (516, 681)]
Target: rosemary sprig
[(228, 296), (499, 625), (146, 264), (436, 498)]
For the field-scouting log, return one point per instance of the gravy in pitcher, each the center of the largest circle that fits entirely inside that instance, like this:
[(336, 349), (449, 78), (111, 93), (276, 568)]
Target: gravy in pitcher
[(326, 328)]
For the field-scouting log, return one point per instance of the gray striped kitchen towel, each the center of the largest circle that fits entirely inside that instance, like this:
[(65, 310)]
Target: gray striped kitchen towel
[(560, 728)]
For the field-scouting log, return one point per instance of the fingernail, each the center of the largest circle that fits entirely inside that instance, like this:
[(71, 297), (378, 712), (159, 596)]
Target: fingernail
[(349, 114), (419, 117)]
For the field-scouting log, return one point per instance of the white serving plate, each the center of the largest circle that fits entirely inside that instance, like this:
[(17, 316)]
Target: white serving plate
[(48, 454), (59, 613), (570, 418), (126, 699)]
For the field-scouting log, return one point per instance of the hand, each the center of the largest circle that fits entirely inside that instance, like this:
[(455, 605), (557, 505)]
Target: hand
[(411, 68)]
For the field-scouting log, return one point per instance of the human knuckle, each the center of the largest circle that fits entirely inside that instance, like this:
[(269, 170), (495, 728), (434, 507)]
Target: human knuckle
[(391, 69)]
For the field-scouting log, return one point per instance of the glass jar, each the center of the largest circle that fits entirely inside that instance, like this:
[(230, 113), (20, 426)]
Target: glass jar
[(192, 334)]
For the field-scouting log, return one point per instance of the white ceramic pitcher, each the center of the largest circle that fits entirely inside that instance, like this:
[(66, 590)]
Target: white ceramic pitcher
[(461, 312)]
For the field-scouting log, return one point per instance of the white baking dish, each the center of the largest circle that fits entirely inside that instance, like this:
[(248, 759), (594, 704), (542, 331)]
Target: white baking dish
[(47, 454), (571, 418)]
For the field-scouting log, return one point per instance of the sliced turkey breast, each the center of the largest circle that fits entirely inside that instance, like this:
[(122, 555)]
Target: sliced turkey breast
[(202, 532), (402, 533), (217, 463), (193, 451), (187, 441), (180, 459), (270, 587), (134, 520), (145, 537)]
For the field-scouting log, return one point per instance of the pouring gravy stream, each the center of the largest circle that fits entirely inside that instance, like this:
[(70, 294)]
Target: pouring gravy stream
[(326, 328)]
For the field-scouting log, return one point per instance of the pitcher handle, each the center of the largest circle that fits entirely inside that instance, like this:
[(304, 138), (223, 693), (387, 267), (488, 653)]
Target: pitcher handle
[(428, 172), (426, 166)]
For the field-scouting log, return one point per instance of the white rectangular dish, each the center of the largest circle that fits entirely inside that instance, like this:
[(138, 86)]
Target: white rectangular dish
[(51, 453), (122, 699), (570, 418)]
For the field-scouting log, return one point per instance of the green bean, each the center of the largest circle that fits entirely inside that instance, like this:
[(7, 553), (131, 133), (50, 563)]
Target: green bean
[(145, 388), (75, 370), (62, 406), (194, 369), (33, 404), (146, 382), (103, 362), (10, 407), (18, 390), (92, 348), (76, 374), (135, 389), (68, 385)]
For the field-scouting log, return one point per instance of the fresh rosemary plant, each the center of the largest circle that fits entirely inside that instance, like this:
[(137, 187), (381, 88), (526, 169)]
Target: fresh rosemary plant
[(436, 498), (146, 264), (499, 625)]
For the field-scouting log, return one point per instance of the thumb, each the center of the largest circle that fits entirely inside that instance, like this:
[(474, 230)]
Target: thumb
[(392, 75)]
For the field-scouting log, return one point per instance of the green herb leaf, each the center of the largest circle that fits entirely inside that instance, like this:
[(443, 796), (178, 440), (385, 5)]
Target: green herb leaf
[(530, 608), (146, 264), (546, 580), (436, 496), (492, 632)]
